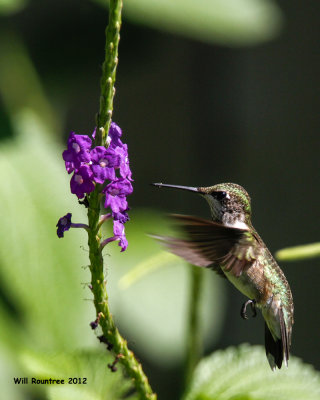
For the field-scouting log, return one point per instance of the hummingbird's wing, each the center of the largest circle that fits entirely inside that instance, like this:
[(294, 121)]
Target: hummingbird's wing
[(211, 244)]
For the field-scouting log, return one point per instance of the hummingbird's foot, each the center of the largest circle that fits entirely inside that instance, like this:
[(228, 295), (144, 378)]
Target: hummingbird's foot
[(243, 311)]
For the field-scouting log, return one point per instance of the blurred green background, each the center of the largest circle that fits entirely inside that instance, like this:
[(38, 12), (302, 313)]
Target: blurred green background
[(206, 92)]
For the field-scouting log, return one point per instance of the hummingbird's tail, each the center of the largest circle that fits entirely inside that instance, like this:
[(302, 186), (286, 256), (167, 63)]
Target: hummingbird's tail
[(277, 348)]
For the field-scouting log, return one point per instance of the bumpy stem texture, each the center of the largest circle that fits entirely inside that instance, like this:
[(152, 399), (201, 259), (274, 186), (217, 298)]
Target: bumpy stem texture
[(98, 283), (109, 68), (99, 290)]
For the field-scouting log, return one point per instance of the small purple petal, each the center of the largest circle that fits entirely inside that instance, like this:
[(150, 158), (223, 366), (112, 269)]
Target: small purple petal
[(118, 228), (119, 232), (116, 193), (119, 187), (103, 163), (81, 181), (125, 171), (114, 135), (122, 217), (123, 243), (101, 174), (77, 151), (63, 224), (116, 203)]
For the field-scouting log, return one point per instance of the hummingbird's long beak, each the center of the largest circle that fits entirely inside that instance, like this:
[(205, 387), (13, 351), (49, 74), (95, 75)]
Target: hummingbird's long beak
[(188, 188)]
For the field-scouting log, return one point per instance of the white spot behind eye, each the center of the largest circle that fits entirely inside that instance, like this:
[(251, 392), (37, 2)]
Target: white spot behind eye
[(238, 224)]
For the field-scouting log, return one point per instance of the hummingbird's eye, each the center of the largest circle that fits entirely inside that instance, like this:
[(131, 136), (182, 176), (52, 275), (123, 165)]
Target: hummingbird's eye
[(220, 195)]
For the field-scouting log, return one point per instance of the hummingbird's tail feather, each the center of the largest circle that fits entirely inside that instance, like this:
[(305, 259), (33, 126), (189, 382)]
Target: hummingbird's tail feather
[(274, 349), (277, 350), (284, 337)]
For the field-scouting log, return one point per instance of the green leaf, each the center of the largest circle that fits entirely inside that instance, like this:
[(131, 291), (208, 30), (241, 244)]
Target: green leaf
[(232, 22), (296, 253), (147, 266), (41, 275), (86, 375), (243, 373), (149, 293), (8, 7), (21, 88)]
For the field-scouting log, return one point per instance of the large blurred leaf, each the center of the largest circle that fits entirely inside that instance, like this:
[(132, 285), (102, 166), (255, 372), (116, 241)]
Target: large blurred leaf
[(93, 380), (11, 6), (243, 373), (232, 22), (153, 311), (40, 274)]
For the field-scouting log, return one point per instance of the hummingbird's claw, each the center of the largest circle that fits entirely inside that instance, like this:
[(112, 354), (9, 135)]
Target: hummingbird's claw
[(243, 311)]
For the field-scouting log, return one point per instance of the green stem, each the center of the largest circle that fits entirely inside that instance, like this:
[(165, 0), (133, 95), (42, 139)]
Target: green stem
[(98, 282), (109, 68), (194, 342), (99, 290), (296, 253)]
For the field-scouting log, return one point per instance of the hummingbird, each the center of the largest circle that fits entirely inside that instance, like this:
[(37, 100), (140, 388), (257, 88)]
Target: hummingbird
[(229, 245)]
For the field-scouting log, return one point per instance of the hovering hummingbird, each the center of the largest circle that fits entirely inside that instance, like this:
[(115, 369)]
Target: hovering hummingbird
[(231, 246)]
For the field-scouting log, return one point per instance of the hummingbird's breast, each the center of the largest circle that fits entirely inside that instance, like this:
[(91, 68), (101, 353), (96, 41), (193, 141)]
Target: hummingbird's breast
[(264, 282), (251, 282)]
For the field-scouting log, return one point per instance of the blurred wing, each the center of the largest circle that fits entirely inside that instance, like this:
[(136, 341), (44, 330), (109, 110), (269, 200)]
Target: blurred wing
[(243, 254), (211, 244)]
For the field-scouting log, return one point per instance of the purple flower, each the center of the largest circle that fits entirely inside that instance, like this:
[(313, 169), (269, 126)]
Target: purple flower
[(114, 135), (122, 217), (78, 151), (81, 181), (103, 164), (125, 171), (100, 165), (116, 193), (119, 234), (63, 224)]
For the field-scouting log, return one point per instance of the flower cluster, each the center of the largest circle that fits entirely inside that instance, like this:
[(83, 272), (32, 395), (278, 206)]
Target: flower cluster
[(100, 165)]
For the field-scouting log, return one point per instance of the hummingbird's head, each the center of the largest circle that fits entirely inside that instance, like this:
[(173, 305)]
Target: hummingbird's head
[(229, 203)]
